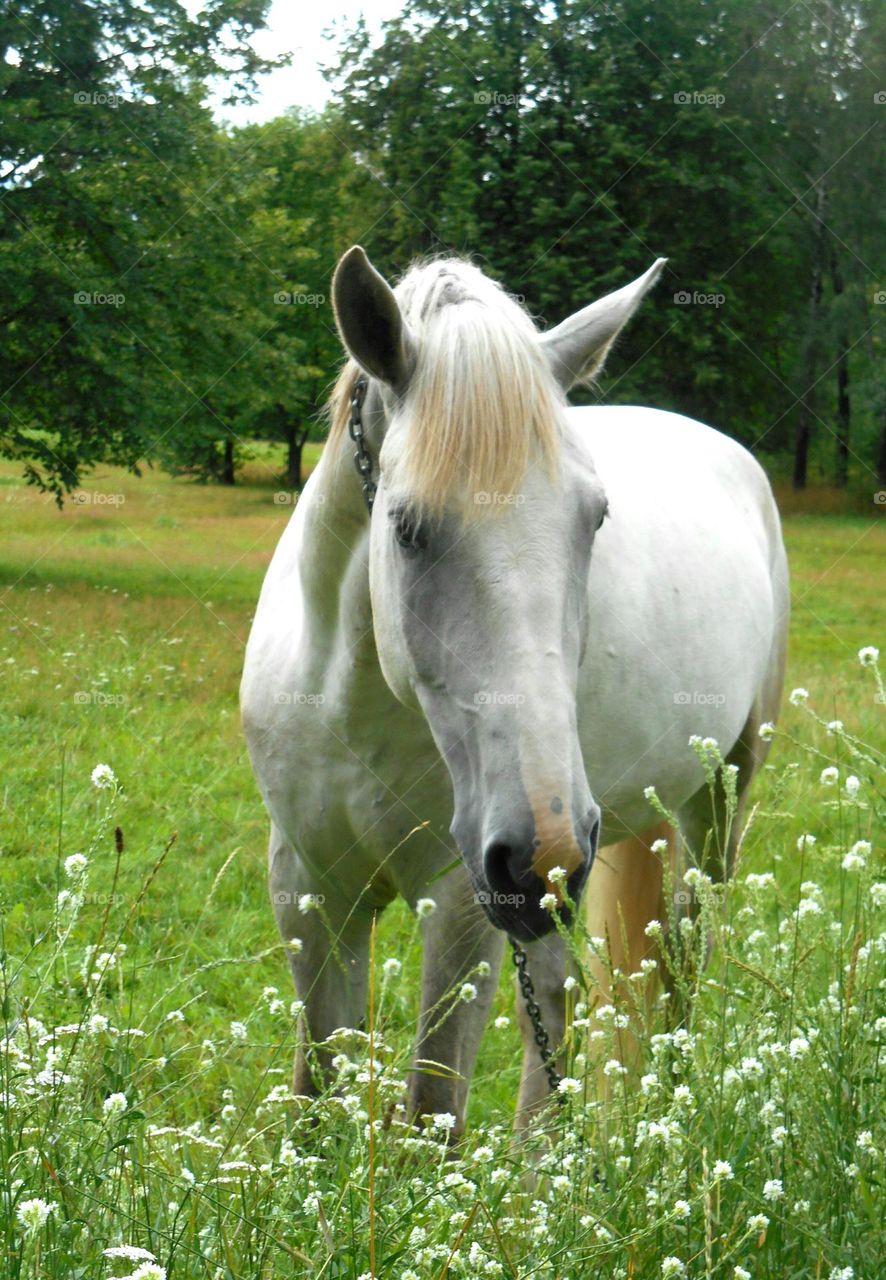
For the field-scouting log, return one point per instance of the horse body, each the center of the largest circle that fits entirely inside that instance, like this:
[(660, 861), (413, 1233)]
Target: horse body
[(685, 598)]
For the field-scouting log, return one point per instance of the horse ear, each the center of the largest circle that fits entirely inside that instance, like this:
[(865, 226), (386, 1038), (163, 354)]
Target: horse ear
[(577, 348), (369, 320)]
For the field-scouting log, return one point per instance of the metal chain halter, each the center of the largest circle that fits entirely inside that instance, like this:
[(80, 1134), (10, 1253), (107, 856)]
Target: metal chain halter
[(363, 463), (542, 1039), (362, 460)]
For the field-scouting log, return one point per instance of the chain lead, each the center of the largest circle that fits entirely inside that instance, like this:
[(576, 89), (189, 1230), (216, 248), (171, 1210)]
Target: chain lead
[(542, 1038), (362, 460)]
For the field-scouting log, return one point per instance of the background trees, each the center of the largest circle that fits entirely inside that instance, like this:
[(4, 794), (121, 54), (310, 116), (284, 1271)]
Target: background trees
[(164, 281)]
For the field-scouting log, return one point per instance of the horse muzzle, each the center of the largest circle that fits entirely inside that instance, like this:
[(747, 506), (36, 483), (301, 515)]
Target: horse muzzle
[(517, 891)]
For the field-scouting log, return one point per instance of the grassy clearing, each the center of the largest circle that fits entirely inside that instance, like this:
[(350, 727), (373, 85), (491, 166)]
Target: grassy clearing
[(122, 632)]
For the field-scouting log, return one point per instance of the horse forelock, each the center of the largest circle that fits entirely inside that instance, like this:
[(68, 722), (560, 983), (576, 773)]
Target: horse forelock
[(481, 402)]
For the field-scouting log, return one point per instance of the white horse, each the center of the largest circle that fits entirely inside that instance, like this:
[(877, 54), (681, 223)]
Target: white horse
[(543, 605)]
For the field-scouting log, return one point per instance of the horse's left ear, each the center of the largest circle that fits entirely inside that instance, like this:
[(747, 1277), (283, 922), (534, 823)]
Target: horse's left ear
[(369, 320), (577, 348)]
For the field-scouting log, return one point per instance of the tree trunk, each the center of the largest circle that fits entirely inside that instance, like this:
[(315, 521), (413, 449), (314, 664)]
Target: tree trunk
[(881, 450), (227, 476), (841, 474), (810, 352), (294, 443)]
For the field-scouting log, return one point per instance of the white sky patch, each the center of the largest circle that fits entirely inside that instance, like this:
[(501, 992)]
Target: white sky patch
[(298, 28)]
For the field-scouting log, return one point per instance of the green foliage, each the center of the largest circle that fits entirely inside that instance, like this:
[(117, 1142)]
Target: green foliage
[(568, 145)]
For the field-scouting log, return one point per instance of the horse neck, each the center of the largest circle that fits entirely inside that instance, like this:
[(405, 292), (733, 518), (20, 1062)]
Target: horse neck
[(335, 544)]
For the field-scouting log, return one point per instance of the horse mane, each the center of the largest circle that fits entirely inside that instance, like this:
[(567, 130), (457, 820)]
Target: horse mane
[(481, 401)]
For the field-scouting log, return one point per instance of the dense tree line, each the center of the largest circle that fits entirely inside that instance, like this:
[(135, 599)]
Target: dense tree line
[(165, 280)]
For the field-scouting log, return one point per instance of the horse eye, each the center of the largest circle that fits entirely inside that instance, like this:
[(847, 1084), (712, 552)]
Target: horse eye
[(408, 531)]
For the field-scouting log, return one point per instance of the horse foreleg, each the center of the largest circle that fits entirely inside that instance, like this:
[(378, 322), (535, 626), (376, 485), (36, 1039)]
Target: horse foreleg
[(457, 939), (329, 961), (623, 894)]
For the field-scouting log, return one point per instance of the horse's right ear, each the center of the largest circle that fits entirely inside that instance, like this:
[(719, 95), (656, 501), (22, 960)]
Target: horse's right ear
[(370, 322)]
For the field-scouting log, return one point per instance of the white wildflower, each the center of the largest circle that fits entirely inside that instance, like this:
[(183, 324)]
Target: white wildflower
[(238, 1031), (467, 992), (75, 865), (114, 1105), (614, 1068), (767, 731), (681, 1209), (805, 842), (391, 967), (798, 697), (103, 777), (723, 1169), (758, 1222), (424, 907), (672, 1266), (852, 786), (34, 1214), (829, 776), (502, 1021), (773, 1190), (131, 1252), (569, 1086), (548, 902), (868, 656), (148, 1271)]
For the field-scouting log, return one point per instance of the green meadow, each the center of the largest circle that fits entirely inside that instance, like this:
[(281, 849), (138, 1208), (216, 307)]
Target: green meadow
[(122, 628)]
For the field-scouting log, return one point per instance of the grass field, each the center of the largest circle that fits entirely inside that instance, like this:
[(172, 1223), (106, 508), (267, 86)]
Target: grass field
[(123, 623)]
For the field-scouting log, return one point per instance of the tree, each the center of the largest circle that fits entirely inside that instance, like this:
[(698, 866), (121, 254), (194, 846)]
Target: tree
[(103, 124)]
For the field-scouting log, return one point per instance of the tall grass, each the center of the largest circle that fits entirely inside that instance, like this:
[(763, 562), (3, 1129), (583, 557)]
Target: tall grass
[(140, 1137)]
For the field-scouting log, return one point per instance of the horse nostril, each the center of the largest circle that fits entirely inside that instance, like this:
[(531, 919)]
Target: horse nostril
[(498, 863)]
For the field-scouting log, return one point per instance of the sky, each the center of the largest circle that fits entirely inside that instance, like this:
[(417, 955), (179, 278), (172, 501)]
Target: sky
[(297, 27)]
